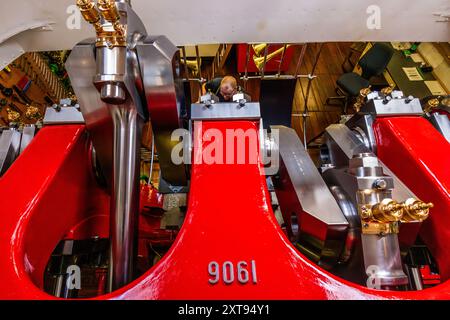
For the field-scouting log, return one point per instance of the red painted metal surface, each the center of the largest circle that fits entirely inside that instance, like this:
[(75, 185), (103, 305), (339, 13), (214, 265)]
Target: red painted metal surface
[(229, 219), (46, 193), (419, 155)]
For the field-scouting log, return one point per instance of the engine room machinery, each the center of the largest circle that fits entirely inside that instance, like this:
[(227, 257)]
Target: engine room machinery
[(369, 222)]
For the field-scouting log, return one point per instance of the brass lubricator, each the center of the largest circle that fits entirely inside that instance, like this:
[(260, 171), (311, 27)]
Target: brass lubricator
[(107, 10), (363, 93), (90, 14), (415, 210), (383, 217)]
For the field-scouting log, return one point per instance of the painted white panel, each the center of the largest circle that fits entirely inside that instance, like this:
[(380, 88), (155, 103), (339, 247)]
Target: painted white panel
[(235, 21)]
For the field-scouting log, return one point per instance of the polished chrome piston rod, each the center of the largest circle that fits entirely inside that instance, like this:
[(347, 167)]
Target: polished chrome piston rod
[(125, 195)]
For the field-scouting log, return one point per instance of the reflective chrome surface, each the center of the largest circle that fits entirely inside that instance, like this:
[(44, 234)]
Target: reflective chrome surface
[(343, 144), (9, 148), (391, 104), (442, 123), (81, 67), (225, 110), (382, 260), (125, 194), (358, 178), (110, 90), (158, 59), (62, 115), (28, 133), (300, 183)]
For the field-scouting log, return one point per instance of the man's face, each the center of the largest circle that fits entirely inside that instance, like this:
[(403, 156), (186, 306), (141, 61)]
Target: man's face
[(227, 91)]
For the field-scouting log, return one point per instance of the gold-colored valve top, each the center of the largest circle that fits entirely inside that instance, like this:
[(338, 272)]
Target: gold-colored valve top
[(13, 116), (108, 10), (431, 104), (363, 93), (387, 90), (386, 211), (90, 13), (32, 112), (416, 210)]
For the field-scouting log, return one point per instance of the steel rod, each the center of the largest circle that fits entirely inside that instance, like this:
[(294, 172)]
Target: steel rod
[(300, 59), (281, 60), (308, 89), (247, 59), (125, 195)]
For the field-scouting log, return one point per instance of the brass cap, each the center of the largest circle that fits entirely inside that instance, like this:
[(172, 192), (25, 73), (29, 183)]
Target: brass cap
[(88, 11), (364, 92), (416, 210), (431, 104), (387, 210), (108, 10), (388, 90)]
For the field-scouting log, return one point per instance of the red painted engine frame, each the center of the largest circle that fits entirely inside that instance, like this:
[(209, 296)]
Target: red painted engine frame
[(40, 204), (420, 156)]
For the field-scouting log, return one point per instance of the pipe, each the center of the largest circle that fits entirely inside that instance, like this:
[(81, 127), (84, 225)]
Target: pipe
[(247, 59), (125, 195), (281, 61)]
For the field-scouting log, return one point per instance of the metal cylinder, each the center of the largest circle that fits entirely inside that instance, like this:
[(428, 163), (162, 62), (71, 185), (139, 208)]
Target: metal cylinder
[(111, 61), (382, 261), (416, 277), (125, 195), (112, 93)]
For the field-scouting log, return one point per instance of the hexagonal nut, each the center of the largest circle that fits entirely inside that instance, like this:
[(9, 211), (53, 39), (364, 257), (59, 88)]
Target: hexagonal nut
[(238, 97), (364, 160), (397, 94), (208, 97), (373, 95)]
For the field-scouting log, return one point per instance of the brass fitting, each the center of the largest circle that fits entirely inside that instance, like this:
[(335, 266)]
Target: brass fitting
[(387, 90), (386, 211), (13, 116), (109, 12), (431, 104), (416, 210), (32, 112), (363, 93), (381, 218), (90, 14)]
